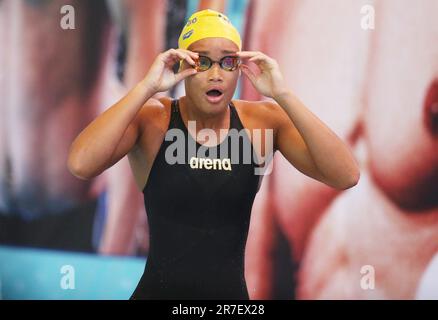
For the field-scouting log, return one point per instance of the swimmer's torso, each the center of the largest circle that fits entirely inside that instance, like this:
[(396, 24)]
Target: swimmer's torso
[(199, 213)]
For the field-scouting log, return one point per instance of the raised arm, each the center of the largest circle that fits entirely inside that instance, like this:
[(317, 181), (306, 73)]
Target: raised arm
[(304, 140), (97, 146), (115, 132)]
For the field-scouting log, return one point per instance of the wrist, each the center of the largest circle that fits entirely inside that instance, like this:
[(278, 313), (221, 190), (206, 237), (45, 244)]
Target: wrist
[(146, 88), (281, 95)]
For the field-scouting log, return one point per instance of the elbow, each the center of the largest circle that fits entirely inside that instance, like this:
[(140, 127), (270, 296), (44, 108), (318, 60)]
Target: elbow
[(350, 181), (77, 169)]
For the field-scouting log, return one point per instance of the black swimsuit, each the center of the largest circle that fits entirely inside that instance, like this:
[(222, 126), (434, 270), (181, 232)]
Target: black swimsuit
[(198, 221)]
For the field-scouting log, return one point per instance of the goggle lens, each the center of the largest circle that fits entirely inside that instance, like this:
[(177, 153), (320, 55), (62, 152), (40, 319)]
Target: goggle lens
[(228, 63)]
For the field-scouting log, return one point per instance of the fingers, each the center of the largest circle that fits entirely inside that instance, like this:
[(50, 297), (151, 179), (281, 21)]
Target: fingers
[(254, 56), (249, 54), (184, 74), (194, 55), (187, 55), (172, 56), (248, 72)]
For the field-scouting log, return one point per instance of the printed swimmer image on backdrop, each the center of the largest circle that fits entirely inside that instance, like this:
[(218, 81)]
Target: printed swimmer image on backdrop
[(219, 150)]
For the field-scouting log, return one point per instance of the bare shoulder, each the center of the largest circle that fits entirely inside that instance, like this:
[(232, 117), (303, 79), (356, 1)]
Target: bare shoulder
[(260, 114), (155, 113), (153, 119)]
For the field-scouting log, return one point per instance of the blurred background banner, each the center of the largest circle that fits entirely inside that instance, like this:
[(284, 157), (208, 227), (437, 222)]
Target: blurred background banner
[(367, 68)]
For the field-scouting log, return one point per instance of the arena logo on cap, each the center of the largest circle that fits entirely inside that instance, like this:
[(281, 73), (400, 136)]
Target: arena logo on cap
[(187, 35)]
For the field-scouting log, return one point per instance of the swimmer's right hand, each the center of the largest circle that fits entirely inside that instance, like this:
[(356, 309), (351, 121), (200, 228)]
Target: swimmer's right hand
[(161, 76)]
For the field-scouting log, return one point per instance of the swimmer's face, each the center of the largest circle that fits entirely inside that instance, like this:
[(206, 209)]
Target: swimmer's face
[(198, 85)]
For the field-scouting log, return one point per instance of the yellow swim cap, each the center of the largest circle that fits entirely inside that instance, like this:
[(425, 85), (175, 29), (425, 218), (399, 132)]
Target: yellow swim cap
[(208, 24)]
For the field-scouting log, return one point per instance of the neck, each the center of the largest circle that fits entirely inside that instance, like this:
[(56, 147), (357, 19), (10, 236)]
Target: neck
[(215, 121)]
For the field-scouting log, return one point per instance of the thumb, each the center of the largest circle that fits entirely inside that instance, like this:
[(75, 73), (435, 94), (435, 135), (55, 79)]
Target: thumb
[(184, 74)]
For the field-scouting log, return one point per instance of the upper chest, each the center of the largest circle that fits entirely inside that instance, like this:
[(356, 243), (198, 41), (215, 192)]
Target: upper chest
[(154, 130), (256, 126)]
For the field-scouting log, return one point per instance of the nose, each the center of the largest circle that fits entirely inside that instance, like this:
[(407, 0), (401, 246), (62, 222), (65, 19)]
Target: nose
[(214, 73)]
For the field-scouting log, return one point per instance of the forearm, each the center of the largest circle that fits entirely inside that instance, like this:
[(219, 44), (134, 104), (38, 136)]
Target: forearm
[(93, 148), (331, 155)]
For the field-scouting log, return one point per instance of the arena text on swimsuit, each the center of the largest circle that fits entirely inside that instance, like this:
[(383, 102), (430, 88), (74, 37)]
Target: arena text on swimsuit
[(229, 149)]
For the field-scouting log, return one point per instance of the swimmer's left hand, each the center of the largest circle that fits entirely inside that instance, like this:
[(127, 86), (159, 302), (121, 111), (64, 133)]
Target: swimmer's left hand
[(269, 81)]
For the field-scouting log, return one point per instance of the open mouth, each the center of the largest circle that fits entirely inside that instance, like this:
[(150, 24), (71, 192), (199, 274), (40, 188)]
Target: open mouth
[(214, 95)]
